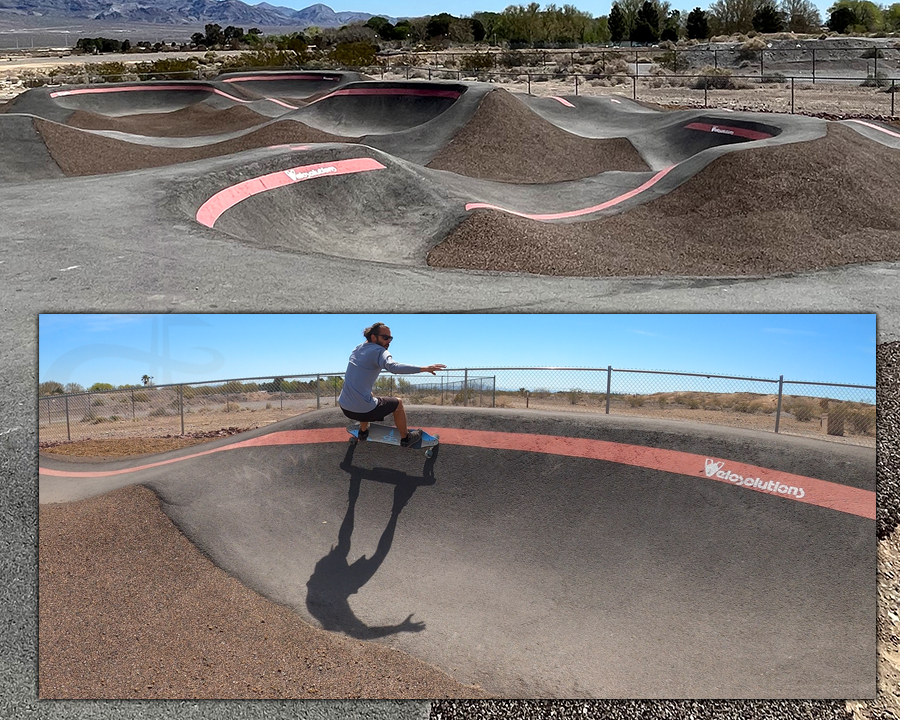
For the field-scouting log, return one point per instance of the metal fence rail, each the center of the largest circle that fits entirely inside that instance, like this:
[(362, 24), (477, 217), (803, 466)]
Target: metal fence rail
[(834, 411)]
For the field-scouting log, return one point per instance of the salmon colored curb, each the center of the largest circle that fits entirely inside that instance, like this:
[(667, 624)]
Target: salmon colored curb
[(226, 199), (584, 211), (771, 482)]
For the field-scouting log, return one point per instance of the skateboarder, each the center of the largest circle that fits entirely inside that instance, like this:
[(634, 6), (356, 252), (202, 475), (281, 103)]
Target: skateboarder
[(366, 362)]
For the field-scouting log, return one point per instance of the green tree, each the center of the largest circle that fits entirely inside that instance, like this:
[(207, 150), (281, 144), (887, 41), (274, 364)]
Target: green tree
[(214, 35), (646, 29), (867, 16), (767, 19), (802, 16), (892, 18), (617, 24), (733, 16), (697, 26), (671, 27), (50, 387), (438, 26), (100, 387)]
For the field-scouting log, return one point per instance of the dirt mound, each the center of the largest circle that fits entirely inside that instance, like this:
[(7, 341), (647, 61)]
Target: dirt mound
[(787, 208), (82, 153), (193, 121), (507, 141)]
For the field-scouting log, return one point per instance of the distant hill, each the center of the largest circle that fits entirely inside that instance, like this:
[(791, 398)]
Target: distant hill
[(182, 12)]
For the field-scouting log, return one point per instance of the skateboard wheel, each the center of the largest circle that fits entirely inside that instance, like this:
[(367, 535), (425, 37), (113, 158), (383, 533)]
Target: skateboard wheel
[(429, 452), (353, 441)]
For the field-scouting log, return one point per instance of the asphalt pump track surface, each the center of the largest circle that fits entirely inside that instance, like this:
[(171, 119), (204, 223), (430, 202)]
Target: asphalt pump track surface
[(544, 555), (318, 187)]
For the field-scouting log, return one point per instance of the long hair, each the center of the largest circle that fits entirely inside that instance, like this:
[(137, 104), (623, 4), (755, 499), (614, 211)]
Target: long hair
[(373, 330)]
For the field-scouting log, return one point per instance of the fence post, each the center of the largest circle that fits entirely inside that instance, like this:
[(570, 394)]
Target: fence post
[(68, 430), (893, 94), (318, 400), (494, 394), (608, 386), (778, 409), (814, 65), (442, 389), (132, 405), (466, 388), (529, 83), (181, 405), (282, 398), (634, 87), (792, 94)]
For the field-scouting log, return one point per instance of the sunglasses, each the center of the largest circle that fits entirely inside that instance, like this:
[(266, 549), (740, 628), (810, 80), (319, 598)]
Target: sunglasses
[(386, 337)]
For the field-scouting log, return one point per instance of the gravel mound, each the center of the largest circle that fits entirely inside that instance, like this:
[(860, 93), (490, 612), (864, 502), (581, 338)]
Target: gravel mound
[(508, 142), (194, 121), (888, 428), (786, 208), (82, 153), (129, 608)]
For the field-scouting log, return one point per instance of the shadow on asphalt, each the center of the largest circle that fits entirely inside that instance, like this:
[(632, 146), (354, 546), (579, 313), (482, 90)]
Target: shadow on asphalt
[(335, 579)]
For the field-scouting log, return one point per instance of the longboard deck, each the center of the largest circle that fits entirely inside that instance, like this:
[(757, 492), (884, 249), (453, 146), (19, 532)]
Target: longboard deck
[(389, 436)]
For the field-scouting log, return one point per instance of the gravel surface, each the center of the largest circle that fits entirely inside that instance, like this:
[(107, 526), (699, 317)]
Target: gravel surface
[(786, 208), (194, 121), (129, 608), (490, 147), (81, 153)]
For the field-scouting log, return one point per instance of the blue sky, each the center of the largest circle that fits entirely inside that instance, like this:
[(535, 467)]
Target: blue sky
[(463, 8), (120, 349)]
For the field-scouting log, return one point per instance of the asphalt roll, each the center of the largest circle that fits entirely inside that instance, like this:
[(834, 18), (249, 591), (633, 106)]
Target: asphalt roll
[(380, 107), (341, 200)]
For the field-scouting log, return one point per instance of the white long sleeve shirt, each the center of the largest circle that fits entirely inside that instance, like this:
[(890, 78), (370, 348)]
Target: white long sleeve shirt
[(366, 363)]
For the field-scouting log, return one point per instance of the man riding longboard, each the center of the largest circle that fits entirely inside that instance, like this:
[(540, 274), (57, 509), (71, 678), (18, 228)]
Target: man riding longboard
[(366, 363)]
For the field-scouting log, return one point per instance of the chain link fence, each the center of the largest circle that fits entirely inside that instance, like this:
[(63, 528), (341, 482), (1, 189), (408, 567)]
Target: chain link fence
[(840, 412)]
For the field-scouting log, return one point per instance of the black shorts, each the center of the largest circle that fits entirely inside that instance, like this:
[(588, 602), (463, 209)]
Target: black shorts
[(386, 406)]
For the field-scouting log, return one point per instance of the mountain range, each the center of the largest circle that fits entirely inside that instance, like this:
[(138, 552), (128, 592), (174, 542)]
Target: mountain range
[(181, 12)]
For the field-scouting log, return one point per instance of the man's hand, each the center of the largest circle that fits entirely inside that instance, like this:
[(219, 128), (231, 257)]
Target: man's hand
[(433, 368)]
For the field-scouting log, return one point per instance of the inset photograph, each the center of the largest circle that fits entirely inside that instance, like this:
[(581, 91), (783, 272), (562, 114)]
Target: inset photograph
[(457, 506)]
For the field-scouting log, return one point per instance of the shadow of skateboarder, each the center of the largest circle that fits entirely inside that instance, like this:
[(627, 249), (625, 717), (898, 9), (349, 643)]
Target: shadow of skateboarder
[(335, 579)]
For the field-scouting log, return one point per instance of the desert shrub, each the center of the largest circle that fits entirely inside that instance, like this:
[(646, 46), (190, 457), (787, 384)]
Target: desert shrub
[(636, 401), (88, 417), (232, 407), (99, 420), (803, 410), (477, 61), (750, 407), (268, 406), (673, 61), (510, 59), (115, 418), (109, 71), (872, 53), (715, 79), (98, 402), (878, 80), (662, 400), (141, 397), (159, 412), (773, 78), (574, 396), (167, 69), (862, 420), (354, 54), (751, 48)]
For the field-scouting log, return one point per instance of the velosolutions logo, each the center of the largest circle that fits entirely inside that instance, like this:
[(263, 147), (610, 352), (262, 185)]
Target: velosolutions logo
[(716, 469)]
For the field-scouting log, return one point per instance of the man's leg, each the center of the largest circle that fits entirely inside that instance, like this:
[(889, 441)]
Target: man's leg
[(400, 420), (363, 426)]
